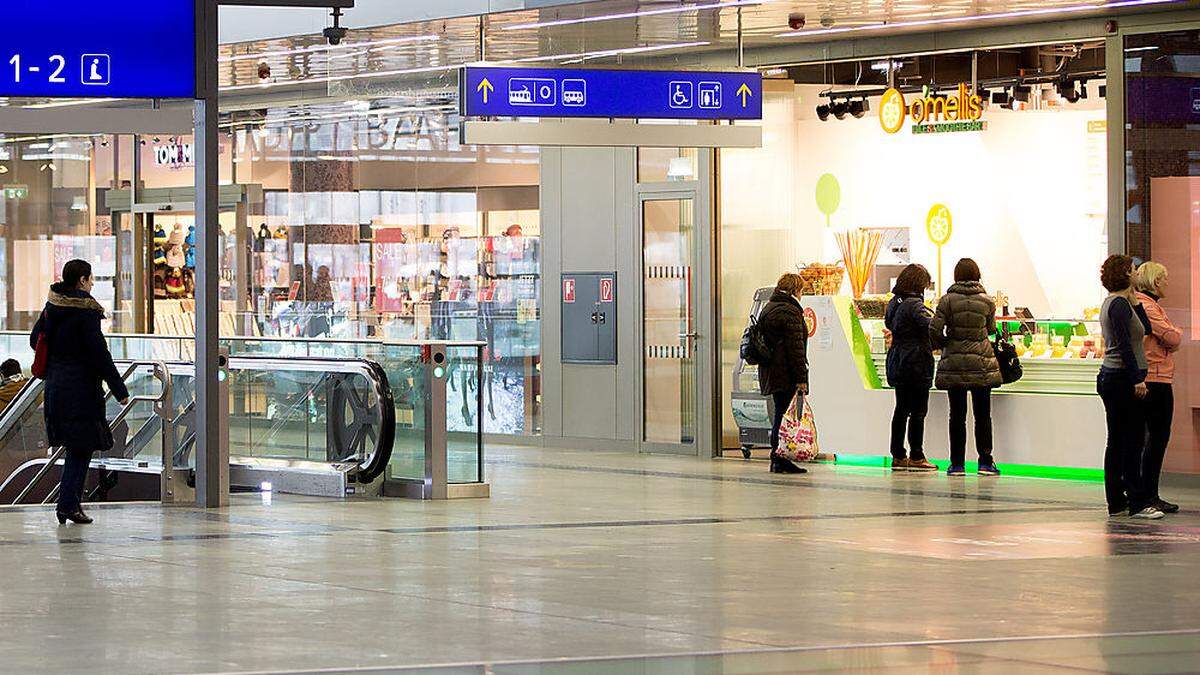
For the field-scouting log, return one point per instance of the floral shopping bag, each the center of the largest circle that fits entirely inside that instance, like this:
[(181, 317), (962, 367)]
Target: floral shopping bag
[(798, 433)]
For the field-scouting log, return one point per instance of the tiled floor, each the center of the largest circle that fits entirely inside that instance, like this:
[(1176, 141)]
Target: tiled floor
[(605, 563)]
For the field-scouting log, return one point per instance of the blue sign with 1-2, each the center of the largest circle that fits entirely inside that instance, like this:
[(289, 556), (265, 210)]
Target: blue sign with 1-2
[(487, 91), (89, 49)]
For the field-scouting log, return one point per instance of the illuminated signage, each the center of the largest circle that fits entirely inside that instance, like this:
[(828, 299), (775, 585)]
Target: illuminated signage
[(15, 191), (932, 114), (84, 49), (174, 155)]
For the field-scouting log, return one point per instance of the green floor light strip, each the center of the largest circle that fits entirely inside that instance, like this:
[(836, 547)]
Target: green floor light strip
[(1021, 470)]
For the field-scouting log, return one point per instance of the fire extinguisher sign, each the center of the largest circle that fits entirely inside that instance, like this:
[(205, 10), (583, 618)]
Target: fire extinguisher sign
[(568, 290), (606, 289)]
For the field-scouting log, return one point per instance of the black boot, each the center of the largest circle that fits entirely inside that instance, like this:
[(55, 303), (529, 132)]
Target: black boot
[(781, 465), (77, 516)]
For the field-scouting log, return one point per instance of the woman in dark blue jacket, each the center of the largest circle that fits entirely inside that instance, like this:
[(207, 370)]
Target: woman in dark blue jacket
[(79, 362), (910, 367)]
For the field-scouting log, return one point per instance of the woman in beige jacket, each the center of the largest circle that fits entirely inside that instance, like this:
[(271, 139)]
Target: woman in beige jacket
[(1161, 343)]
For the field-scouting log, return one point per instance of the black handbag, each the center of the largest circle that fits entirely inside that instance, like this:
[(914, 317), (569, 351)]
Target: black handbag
[(1010, 364)]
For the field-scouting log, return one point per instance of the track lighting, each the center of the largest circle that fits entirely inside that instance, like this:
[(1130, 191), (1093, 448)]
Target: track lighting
[(859, 108), (823, 112), (839, 109)]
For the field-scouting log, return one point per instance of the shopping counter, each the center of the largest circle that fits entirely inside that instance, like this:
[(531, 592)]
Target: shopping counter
[(1049, 424)]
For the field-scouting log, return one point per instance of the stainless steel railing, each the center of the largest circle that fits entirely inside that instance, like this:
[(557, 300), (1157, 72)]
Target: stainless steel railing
[(162, 408)]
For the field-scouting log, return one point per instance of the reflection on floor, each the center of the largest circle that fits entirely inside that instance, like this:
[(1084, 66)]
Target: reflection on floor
[(606, 563)]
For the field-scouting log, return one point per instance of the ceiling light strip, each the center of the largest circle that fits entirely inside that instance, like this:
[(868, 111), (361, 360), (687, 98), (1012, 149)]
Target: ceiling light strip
[(635, 15), (258, 56), (1016, 14)]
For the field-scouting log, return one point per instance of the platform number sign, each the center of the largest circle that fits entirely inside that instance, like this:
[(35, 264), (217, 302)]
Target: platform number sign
[(83, 49)]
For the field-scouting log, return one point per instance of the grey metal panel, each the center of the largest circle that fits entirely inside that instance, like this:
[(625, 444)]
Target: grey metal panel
[(607, 324), (629, 268), (588, 133), (589, 401), (579, 325), (93, 120), (587, 211), (551, 219)]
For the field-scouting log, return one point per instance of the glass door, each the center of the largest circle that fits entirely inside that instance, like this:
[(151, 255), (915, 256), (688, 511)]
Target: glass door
[(671, 339)]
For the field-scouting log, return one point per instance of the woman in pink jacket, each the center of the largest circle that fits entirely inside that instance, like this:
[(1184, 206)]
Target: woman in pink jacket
[(1161, 344)]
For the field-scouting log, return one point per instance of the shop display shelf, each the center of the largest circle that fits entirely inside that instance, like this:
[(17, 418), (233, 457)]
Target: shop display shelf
[(1042, 376)]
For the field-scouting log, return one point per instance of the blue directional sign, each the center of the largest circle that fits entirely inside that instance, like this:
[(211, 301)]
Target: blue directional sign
[(487, 91), (93, 49)]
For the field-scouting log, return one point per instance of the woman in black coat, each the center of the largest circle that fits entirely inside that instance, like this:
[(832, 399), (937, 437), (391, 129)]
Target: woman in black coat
[(79, 362), (786, 374), (910, 367)]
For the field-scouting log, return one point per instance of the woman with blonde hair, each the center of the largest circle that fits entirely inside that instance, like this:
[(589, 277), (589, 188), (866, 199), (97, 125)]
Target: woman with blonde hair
[(1161, 343), (785, 375)]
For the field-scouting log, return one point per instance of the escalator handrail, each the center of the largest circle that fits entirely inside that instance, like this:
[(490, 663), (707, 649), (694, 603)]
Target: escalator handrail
[(161, 372)]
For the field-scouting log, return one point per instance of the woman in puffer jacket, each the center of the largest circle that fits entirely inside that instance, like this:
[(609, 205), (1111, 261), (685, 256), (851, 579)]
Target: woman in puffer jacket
[(961, 328)]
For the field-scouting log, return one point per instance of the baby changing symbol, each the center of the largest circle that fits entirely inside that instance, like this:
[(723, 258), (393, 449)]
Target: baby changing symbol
[(96, 69)]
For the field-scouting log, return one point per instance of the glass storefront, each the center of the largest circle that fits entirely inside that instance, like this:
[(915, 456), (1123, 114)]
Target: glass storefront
[(1162, 189), (353, 220), (858, 178)]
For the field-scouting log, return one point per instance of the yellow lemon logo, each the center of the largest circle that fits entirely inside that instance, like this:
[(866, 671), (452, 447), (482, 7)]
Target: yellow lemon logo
[(892, 110), (939, 224)]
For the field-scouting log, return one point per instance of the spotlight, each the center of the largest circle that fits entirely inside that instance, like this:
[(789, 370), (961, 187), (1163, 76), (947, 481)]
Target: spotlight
[(823, 112), (839, 109), (859, 108)]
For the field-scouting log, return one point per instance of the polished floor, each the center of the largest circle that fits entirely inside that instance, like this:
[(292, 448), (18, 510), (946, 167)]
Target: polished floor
[(607, 563)]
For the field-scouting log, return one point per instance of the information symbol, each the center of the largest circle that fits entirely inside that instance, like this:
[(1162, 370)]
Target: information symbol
[(96, 69)]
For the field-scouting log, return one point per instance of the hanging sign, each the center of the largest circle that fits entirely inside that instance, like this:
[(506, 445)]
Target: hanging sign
[(84, 49), (932, 114), (486, 91)]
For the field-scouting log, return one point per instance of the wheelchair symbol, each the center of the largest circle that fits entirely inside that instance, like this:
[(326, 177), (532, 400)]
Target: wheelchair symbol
[(682, 95)]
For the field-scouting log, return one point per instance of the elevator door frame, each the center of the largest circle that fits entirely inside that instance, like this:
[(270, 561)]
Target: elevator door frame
[(705, 313)]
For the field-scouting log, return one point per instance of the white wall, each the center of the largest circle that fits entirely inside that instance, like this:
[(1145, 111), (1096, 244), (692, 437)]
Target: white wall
[(1027, 195)]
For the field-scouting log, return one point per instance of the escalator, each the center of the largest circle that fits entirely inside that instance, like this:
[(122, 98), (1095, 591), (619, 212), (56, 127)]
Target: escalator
[(312, 426)]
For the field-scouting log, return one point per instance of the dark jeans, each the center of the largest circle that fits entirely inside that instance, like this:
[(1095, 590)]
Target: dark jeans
[(782, 400), (1160, 410), (74, 475), (912, 404), (981, 404), (1125, 417)]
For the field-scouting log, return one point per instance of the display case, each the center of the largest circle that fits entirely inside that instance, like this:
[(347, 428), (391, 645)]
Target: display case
[(1059, 356)]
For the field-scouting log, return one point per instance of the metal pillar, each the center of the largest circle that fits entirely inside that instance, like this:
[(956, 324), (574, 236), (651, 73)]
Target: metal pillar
[(212, 431), (436, 452)]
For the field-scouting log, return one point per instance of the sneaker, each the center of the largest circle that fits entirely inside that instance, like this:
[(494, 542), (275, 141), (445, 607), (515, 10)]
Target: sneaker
[(1165, 506), (956, 471), (921, 465), (1148, 513), (900, 464), (989, 470)]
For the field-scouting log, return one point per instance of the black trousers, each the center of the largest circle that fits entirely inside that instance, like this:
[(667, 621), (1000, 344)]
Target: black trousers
[(1125, 417), (1160, 411), (74, 475), (912, 404), (782, 401), (981, 404)]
